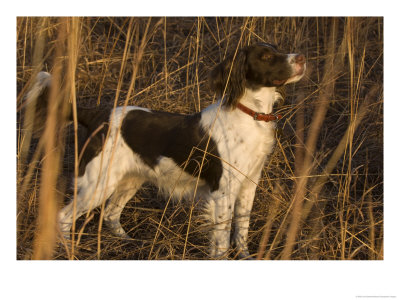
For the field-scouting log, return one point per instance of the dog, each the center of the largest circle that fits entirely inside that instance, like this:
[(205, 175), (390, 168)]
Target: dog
[(215, 156)]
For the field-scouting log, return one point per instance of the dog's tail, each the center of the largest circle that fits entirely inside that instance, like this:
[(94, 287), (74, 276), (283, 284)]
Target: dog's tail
[(36, 104)]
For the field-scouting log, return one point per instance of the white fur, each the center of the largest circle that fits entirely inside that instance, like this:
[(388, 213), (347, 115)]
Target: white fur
[(244, 145)]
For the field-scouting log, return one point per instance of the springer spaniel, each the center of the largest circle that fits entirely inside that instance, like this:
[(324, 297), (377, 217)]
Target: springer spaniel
[(216, 155)]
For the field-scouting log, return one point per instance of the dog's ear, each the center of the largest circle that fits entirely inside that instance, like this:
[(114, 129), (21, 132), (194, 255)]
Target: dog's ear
[(228, 79)]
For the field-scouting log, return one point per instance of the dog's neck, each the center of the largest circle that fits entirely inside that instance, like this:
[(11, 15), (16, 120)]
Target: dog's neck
[(260, 100)]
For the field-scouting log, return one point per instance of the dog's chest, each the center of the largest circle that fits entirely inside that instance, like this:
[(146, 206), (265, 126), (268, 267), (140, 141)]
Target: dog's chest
[(245, 145), (256, 141)]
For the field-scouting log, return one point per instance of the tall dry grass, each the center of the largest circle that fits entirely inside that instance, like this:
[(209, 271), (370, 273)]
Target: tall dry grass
[(321, 193)]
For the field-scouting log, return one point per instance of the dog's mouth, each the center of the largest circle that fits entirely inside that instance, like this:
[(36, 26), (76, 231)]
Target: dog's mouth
[(279, 82)]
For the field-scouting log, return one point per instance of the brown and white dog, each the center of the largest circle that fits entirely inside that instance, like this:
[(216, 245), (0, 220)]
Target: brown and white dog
[(216, 155)]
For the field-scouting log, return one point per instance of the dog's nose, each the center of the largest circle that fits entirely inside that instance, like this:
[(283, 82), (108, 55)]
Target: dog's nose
[(300, 59)]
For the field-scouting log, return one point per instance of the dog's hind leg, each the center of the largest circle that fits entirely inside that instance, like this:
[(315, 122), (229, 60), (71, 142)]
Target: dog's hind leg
[(89, 197), (125, 190)]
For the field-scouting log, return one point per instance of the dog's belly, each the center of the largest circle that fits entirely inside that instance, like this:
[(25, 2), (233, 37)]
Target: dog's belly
[(173, 180)]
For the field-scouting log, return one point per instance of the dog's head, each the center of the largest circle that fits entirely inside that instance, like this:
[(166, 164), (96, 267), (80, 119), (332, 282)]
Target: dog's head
[(254, 67)]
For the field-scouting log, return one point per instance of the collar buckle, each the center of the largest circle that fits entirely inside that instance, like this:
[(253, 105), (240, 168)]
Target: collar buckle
[(256, 114)]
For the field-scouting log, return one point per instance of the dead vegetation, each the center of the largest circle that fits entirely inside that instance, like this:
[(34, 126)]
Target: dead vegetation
[(321, 194)]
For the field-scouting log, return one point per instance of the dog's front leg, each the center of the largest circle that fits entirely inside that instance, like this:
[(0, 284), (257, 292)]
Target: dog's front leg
[(242, 211), (220, 212)]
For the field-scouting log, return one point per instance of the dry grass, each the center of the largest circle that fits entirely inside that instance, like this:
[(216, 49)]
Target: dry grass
[(321, 194)]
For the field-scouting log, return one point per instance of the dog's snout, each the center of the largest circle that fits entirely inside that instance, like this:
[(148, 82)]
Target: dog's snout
[(300, 59)]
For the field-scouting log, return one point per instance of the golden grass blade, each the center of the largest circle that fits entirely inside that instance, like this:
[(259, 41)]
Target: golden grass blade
[(45, 237)]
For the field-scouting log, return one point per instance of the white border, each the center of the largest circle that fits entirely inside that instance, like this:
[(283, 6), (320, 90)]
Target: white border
[(338, 280)]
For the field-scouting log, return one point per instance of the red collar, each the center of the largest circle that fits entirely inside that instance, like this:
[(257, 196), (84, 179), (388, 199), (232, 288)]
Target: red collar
[(258, 116)]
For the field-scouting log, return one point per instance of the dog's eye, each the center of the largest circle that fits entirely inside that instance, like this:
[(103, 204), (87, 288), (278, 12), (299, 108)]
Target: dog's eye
[(267, 57)]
